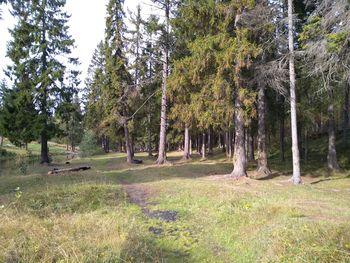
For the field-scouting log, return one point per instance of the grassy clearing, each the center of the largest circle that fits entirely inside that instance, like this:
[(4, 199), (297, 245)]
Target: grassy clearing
[(88, 217)]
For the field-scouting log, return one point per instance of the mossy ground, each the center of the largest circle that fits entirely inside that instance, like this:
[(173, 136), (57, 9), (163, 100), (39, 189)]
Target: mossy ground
[(88, 217)]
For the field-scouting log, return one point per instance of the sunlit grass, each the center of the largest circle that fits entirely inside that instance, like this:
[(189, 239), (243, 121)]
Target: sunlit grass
[(87, 216)]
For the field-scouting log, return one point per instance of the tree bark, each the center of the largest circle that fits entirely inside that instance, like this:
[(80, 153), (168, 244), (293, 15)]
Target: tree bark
[(210, 141), (129, 158), (1, 141), (198, 144), (227, 148), (44, 149), (190, 145), (186, 155), (149, 131), (306, 146), (345, 115), (132, 148), (251, 157), (296, 179), (262, 151), (44, 136), (332, 153), (203, 145), (228, 139), (239, 155), (163, 118), (281, 128)]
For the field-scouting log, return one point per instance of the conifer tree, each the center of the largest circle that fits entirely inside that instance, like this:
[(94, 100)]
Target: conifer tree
[(325, 42), (47, 41), (165, 39), (119, 85), (295, 148)]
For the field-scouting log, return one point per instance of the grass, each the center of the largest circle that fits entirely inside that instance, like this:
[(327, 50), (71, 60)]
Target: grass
[(88, 216)]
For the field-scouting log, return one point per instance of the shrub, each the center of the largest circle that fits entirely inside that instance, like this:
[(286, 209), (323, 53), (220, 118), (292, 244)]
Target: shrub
[(88, 145), (4, 153)]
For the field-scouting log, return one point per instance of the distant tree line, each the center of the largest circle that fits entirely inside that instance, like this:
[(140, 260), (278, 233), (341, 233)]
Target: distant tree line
[(237, 75)]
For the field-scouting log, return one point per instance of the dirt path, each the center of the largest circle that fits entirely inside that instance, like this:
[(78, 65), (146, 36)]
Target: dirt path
[(139, 195)]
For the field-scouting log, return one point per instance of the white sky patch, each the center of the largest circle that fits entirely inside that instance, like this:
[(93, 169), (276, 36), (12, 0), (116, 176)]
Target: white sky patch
[(87, 25)]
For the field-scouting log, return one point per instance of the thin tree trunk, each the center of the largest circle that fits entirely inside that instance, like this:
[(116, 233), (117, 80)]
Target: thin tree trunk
[(149, 131), (44, 136), (306, 146), (190, 145), (203, 145), (251, 157), (186, 155), (129, 158), (346, 114), (1, 141), (262, 151), (227, 148), (210, 141), (120, 145), (332, 153), (163, 118), (296, 179), (239, 156), (44, 149), (198, 144), (281, 128), (132, 147)]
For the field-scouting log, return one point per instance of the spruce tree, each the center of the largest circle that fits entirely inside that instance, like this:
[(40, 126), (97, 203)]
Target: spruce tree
[(47, 42), (118, 85)]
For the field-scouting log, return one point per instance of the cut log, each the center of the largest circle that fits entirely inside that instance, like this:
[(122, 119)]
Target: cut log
[(76, 169)]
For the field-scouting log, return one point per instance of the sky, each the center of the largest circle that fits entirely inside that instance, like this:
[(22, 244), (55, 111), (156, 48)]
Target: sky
[(87, 25)]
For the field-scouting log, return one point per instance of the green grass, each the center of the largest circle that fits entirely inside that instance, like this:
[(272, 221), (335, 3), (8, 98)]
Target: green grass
[(88, 217)]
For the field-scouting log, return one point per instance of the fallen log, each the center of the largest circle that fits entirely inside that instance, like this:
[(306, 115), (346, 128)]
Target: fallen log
[(76, 169)]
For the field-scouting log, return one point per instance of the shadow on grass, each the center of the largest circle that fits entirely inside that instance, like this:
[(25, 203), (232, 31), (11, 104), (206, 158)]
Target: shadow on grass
[(330, 179), (270, 176)]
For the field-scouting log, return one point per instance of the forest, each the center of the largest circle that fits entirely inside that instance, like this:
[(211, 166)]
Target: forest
[(204, 131)]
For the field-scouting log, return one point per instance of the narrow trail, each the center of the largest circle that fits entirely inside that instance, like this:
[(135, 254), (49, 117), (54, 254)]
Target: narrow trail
[(139, 195)]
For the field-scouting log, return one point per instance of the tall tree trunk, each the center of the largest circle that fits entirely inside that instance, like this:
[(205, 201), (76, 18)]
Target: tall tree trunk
[(1, 141), (198, 144), (239, 155), (262, 151), (281, 128), (163, 118), (346, 114), (44, 136), (190, 145), (120, 145), (203, 145), (306, 146), (227, 148), (296, 179), (44, 149), (250, 145), (132, 147), (149, 131), (210, 141), (228, 139), (129, 157), (332, 153), (186, 155)]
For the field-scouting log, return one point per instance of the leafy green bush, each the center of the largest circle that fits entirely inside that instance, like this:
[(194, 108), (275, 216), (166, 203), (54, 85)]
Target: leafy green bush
[(4, 153), (88, 145)]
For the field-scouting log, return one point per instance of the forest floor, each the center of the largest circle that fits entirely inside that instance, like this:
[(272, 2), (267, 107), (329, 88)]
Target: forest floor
[(184, 212)]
